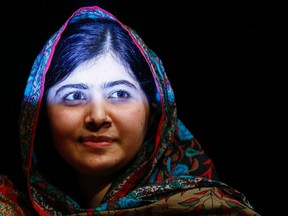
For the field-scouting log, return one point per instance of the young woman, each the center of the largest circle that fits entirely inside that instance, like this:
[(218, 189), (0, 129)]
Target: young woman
[(100, 133)]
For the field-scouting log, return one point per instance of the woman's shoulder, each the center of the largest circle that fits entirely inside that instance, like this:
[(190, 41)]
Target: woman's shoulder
[(12, 201)]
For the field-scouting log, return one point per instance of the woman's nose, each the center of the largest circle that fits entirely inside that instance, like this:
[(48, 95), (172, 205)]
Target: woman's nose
[(97, 116)]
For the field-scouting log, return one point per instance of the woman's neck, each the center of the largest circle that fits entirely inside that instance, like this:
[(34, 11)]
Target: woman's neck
[(92, 190)]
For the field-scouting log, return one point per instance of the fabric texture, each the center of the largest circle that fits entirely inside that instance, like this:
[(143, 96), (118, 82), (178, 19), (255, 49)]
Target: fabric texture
[(12, 201), (172, 175)]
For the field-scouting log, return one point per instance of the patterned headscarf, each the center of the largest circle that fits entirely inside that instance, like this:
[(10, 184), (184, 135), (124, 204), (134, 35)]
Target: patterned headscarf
[(174, 175)]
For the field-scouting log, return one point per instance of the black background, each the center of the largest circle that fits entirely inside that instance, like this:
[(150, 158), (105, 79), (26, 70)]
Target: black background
[(226, 62)]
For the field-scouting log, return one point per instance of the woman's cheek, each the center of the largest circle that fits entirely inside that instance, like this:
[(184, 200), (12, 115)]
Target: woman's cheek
[(63, 121)]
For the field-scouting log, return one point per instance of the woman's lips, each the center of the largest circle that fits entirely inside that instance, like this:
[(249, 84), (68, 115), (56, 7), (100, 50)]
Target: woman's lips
[(96, 141)]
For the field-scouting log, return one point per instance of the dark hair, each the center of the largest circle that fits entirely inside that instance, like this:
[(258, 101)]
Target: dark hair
[(90, 38)]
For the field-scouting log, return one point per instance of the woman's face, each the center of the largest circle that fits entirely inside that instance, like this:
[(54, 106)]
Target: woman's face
[(98, 117)]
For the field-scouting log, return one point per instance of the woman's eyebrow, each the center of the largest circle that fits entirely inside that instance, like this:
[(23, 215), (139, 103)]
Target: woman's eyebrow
[(119, 82), (106, 85), (76, 86)]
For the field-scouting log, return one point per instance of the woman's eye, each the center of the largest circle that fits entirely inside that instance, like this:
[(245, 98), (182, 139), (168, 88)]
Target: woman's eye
[(120, 94), (74, 96)]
